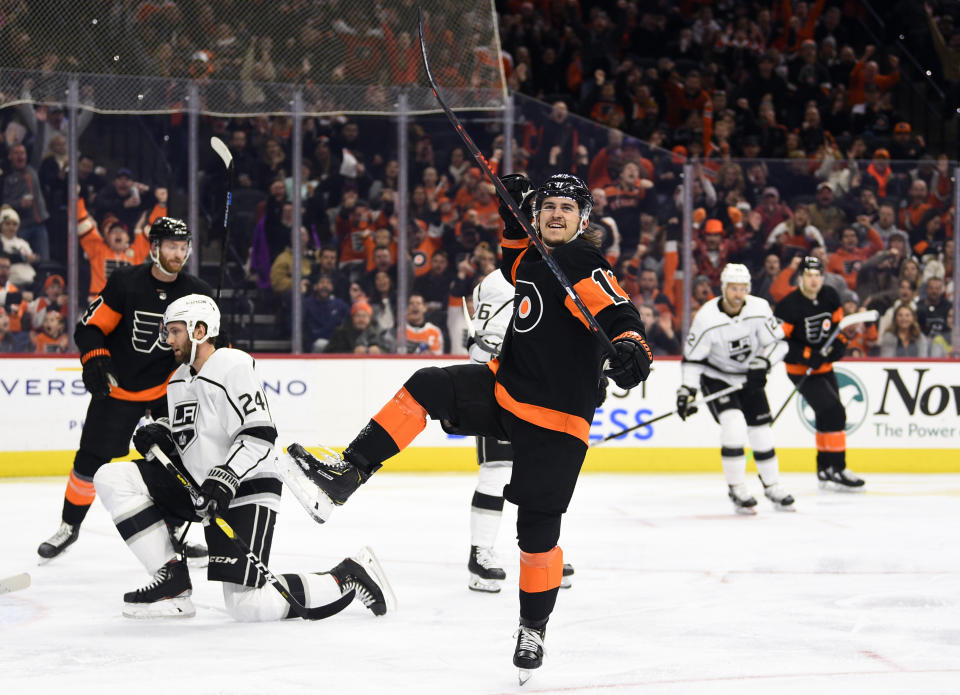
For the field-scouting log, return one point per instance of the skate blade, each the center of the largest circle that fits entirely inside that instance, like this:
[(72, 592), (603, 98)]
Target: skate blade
[(478, 583), (524, 675), (368, 560), (310, 497), (566, 583), (168, 608), (829, 486), (788, 508), (745, 511)]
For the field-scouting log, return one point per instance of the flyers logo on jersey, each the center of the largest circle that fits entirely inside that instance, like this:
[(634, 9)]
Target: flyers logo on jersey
[(183, 424), (146, 331), (529, 307), (817, 327)]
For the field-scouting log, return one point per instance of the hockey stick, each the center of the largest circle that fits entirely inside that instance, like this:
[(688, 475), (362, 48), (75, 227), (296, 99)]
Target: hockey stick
[(505, 196), (849, 320), (14, 583), (224, 153), (302, 611), (472, 331), (702, 401)]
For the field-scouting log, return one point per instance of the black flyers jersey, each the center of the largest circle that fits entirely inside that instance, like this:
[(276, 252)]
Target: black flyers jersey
[(808, 324), (549, 365), (125, 319)]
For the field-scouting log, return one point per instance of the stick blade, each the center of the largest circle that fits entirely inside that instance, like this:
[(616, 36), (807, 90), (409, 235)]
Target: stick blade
[(222, 151), (859, 317), (14, 583)]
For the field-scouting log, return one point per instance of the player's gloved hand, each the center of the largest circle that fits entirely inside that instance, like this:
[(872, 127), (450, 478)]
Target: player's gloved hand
[(602, 390), (156, 432), (519, 186), (631, 365), (837, 350), (686, 396), (757, 369), (98, 375), (216, 492), (812, 358)]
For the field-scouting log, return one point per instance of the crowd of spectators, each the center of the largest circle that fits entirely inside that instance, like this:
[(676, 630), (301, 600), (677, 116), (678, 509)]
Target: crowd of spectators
[(790, 119)]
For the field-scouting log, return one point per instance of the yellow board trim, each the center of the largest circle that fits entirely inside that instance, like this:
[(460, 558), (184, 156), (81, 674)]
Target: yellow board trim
[(609, 460)]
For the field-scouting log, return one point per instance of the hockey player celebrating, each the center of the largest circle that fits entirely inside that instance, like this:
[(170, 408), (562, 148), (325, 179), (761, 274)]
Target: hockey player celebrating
[(734, 339), (810, 315), (540, 394), (221, 433), (493, 309), (125, 366)]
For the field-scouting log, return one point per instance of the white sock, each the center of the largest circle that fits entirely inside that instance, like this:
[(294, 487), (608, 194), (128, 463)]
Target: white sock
[(246, 604), (485, 522)]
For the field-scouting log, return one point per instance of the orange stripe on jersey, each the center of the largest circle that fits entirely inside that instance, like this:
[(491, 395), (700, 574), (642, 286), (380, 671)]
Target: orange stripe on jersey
[(547, 418), (80, 492), (514, 243), (837, 315), (494, 364), (832, 441), (103, 317), (541, 571), (787, 328), (402, 417), (516, 264), (802, 368), (596, 294), (151, 394)]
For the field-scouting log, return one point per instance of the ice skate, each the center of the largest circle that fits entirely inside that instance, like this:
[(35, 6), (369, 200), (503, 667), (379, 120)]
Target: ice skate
[(743, 501), (366, 577), (839, 481), (58, 542), (485, 575), (782, 500), (567, 580), (167, 596), (314, 482), (194, 553), (529, 652)]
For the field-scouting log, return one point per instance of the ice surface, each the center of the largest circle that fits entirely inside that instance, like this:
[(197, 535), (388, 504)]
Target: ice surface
[(673, 593)]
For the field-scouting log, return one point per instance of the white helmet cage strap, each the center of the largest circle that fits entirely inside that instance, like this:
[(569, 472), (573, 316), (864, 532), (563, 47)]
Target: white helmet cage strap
[(193, 309), (736, 273)]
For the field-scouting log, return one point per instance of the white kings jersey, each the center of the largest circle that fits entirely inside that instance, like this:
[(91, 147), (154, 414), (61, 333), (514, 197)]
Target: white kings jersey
[(492, 311), (220, 416), (721, 346)]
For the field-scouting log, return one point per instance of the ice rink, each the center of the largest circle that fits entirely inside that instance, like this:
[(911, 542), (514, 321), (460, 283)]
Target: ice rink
[(673, 593)]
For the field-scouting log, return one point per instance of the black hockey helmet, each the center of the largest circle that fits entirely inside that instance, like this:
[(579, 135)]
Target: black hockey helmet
[(169, 228), (565, 186), (811, 263)]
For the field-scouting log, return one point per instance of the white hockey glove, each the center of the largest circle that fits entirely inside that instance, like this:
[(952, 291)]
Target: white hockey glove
[(686, 396)]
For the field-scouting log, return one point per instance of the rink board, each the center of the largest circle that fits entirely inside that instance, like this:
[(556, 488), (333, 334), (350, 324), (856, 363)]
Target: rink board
[(902, 416)]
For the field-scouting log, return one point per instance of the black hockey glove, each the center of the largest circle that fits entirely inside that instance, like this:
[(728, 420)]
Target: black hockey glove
[(812, 358), (757, 370), (686, 396), (632, 362), (156, 432), (216, 492), (98, 374), (519, 186), (837, 350), (602, 390)]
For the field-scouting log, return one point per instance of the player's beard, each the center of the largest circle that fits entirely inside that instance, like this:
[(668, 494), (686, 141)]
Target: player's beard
[(166, 265)]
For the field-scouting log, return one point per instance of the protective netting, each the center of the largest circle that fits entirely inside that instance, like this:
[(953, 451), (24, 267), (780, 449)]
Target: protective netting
[(249, 57)]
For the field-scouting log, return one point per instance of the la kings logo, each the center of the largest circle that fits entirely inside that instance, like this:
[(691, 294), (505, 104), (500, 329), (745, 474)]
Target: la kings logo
[(739, 348), (183, 424), (817, 327), (146, 332)]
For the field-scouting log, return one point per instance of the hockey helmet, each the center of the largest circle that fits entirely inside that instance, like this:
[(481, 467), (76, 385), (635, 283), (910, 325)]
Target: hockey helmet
[(565, 186), (734, 272), (193, 309), (811, 263), (168, 229)]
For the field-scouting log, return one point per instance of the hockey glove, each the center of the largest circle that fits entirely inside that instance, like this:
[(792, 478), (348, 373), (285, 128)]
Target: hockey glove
[(757, 369), (602, 390), (632, 362), (812, 358), (216, 492), (686, 396), (519, 186), (157, 432), (98, 374), (837, 350)]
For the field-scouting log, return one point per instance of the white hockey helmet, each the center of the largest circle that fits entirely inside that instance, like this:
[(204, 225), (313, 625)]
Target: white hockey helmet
[(734, 272), (193, 309)]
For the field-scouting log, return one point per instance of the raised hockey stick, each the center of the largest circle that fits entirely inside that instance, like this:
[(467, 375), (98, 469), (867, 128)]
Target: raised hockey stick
[(701, 401), (224, 153), (849, 320), (505, 196), (302, 611), (14, 583)]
